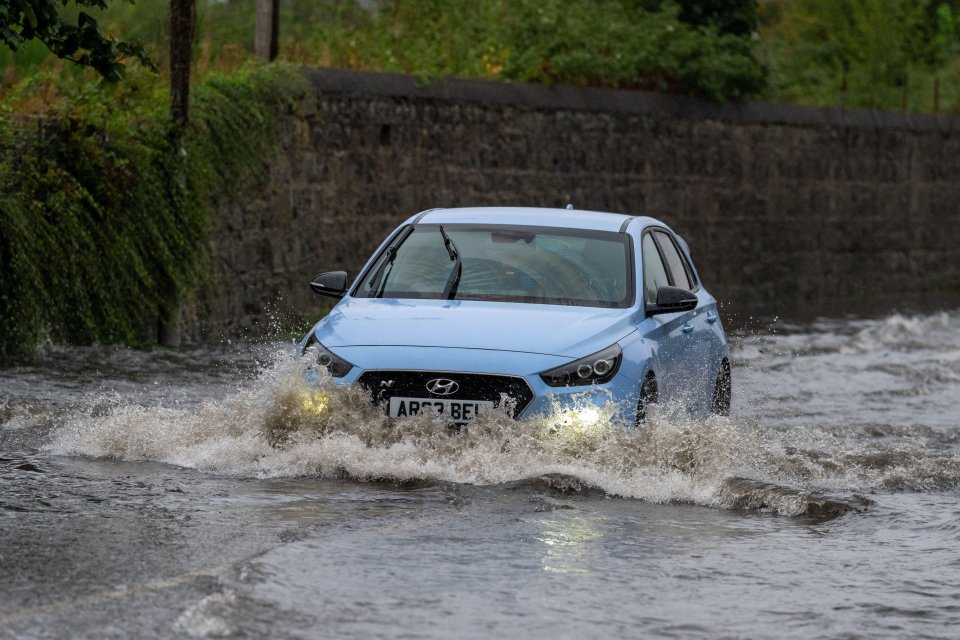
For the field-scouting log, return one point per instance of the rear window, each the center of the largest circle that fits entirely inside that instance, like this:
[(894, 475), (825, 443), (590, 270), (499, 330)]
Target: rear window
[(679, 269)]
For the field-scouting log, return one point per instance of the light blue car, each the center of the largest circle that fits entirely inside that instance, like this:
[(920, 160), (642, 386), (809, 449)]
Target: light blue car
[(532, 311)]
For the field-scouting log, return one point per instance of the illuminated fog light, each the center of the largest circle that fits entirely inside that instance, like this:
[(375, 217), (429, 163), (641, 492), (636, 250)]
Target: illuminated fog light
[(315, 402), (573, 421), (588, 417)]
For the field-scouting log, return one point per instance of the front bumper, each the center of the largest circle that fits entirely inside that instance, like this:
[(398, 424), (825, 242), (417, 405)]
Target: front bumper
[(410, 367)]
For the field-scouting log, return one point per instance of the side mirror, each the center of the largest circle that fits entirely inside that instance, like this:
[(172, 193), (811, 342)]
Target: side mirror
[(331, 283), (672, 300)]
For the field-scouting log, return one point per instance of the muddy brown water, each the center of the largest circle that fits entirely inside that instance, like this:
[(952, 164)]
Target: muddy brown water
[(208, 493)]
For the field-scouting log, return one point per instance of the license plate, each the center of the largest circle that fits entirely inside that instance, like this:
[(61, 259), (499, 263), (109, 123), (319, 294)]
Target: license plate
[(456, 410)]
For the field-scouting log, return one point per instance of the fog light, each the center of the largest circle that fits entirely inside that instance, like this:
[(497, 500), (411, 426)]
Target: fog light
[(588, 417), (316, 402)]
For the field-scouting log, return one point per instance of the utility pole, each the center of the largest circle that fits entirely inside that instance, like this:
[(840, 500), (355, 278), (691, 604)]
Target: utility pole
[(183, 19), (267, 30)]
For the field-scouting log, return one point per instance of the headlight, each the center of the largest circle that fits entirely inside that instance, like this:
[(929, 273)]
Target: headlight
[(337, 366), (594, 369)]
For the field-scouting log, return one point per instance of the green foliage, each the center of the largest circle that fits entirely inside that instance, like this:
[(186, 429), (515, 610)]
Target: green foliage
[(702, 47), (103, 222), (736, 17), (870, 53), (615, 43), (864, 53), (83, 43)]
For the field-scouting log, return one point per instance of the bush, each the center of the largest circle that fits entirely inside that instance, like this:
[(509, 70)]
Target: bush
[(614, 43), (103, 218)]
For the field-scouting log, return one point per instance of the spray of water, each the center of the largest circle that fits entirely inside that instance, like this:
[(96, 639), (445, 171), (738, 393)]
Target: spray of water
[(283, 426)]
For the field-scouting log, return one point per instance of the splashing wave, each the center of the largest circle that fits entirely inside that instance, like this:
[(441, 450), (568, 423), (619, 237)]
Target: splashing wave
[(282, 427)]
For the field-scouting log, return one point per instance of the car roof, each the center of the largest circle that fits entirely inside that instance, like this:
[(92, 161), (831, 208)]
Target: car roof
[(532, 216)]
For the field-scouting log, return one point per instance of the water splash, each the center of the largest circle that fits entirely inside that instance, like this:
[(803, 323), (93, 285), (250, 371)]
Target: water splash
[(280, 426), (905, 333)]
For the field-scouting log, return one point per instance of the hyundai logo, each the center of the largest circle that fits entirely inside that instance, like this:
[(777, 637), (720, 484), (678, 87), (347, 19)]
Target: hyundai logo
[(442, 386)]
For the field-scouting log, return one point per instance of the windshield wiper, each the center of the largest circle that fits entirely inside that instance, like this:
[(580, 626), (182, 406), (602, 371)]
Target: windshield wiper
[(454, 280), (379, 277)]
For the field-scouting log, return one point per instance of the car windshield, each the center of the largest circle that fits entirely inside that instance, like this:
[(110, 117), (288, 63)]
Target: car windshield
[(507, 264)]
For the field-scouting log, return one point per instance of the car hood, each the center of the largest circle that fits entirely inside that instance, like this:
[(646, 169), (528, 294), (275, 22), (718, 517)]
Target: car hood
[(529, 328)]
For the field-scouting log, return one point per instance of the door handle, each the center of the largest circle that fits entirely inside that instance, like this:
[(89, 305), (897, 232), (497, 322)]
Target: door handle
[(687, 328), (712, 317)]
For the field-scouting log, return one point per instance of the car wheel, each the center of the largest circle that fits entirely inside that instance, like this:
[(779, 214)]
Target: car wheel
[(648, 395), (720, 404)]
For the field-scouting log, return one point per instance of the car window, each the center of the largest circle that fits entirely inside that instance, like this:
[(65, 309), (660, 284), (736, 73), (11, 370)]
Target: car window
[(678, 270), (509, 264), (691, 276), (654, 274)]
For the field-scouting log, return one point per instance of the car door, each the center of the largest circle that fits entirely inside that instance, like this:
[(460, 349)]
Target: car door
[(692, 345), (665, 330)]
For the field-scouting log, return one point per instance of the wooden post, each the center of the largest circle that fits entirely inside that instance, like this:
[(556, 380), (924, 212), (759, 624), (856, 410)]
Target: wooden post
[(183, 18), (267, 30)]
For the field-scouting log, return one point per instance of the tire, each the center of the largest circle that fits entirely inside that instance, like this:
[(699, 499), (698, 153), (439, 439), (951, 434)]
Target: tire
[(648, 396), (720, 404)]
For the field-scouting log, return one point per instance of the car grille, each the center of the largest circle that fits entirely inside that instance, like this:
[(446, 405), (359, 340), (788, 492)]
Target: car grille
[(384, 385)]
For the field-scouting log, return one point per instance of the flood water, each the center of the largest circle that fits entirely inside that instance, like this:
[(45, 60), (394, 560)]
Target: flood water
[(208, 493)]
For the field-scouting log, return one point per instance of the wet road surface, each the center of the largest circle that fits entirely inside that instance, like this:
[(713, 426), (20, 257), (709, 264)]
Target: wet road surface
[(142, 497)]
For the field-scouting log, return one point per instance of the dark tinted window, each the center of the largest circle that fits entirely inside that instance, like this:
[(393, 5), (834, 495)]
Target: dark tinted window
[(654, 274), (691, 276), (678, 269)]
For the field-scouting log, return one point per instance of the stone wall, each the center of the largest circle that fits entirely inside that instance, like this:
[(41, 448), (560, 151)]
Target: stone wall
[(784, 208)]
